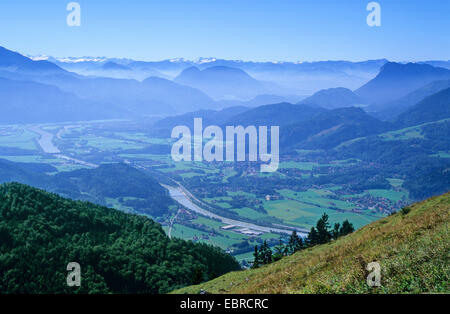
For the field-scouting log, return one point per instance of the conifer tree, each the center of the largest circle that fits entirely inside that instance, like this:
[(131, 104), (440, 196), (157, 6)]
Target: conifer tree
[(265, 253), (257, 258), (300, 244), (322, 226), (295, 243), (347, 227), (280, 252), (312, 237), (336, 231)]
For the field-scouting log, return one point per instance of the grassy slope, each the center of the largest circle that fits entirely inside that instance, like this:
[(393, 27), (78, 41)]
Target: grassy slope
[(413, 251)]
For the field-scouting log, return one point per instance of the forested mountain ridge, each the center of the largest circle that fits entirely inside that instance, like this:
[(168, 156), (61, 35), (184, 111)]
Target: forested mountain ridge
[(137, 189), (392, 110), (432, 108), (410, 247), (280, 114), (412, 152), (209, 117), (40, 233), (333, 98), (330, 128)]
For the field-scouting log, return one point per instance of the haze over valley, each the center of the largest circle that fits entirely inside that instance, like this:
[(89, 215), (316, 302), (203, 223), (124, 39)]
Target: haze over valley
[(358, 142)]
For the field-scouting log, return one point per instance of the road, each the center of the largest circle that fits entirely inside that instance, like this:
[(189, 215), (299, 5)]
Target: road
[(180, 195), (172, 221)]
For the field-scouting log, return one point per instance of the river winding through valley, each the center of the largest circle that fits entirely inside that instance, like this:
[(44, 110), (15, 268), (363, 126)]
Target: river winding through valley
[(180, 194)]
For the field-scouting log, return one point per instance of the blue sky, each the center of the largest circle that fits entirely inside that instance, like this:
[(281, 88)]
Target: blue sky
[(263, 30)]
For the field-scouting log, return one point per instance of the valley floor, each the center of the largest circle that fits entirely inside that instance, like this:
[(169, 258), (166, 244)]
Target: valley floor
[(292, 198)]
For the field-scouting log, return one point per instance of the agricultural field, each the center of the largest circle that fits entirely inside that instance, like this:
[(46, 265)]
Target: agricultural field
[(226, 188), (15, 136)]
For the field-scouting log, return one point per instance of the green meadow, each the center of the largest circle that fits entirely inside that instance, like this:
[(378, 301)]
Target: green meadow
[(295, 208)]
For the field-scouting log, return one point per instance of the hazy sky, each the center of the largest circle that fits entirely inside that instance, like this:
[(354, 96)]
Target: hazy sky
[(263, 30)]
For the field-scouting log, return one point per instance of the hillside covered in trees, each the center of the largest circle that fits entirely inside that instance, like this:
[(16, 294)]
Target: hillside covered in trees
[(115, 180), (40, 233)]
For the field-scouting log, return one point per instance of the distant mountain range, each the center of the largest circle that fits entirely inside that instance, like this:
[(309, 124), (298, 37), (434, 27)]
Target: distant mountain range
[(178, 65), (42, 91), (329, 117), (283, 78), (112, 66), (27, 102), (303, 78)]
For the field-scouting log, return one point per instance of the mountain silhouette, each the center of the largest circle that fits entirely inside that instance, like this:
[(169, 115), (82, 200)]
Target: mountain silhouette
[(333, 98), (392, 110), (152, 96), (222, 82), (275, 115), (396, 80), (29, 102), (15, 61)]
